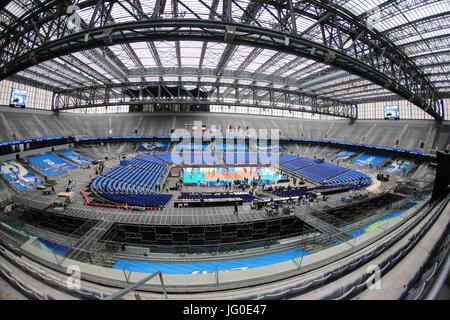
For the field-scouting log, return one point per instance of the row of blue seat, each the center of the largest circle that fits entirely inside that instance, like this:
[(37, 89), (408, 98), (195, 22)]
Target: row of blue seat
[(103, 184), (297, 164), (146, 165), (244, 196), (352, 179), (288, 157), (134, 184), (148, 157), (170, 158), (141, 200), (321, 171)]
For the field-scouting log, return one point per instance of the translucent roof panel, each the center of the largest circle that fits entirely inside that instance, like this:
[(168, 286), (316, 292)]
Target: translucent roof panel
[(280, 63), (239, 56), (213, 53), (167, 53), (18, 8), (190, 53), (265, 55), (143, 52), (123, 56), (420, 28)]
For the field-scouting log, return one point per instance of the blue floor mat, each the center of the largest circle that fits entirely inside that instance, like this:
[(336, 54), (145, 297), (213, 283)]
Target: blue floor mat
[(208, 267)]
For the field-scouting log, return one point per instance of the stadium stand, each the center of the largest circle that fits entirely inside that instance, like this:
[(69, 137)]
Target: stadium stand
[(244, 196), (240, 158), (351, 178), (297, 164), (200, 158), (268, 158), (321, 171), (288, 157), (131, 184), (170, 158)]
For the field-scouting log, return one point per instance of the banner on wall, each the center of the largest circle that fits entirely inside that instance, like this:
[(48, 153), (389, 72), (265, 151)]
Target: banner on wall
[(151, 146)]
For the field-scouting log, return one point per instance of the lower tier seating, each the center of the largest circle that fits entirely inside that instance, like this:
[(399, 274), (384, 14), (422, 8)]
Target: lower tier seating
[(352, 179), (141, 200), (134, 184), (244, 196), (321, 171)]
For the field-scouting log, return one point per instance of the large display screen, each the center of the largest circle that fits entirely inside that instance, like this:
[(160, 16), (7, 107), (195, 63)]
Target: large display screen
[(18, 98), (391, 112)]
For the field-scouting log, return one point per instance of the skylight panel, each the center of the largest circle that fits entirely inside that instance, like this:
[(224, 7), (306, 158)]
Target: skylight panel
[(213, 54), (304, 23), (148, 62), (239, 57), (192, 79), (123, 56), (260, 59), (424, 36), (208, 79), (280, 63), (119, 14), (148, 6), (152, 79), (190, 53), (15, 9), (167, 53), (194, 6), (86, 14), (170, 78), (266, 19), (359, 7)]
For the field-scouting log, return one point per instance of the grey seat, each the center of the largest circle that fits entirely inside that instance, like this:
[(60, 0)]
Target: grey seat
[(345, 294), (415, 293)]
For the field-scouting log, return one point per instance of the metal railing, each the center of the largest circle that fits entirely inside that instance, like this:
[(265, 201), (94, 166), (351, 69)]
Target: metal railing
[(136, 285)]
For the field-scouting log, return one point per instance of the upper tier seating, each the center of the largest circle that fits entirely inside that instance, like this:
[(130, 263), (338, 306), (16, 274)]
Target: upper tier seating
[(240, 158), (384, 133), (200, 158)]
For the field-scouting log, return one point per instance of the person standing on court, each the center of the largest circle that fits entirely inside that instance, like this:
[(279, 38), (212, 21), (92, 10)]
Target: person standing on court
[(236, 208)]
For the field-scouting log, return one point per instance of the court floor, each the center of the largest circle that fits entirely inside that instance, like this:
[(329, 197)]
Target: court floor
[(219, 176)]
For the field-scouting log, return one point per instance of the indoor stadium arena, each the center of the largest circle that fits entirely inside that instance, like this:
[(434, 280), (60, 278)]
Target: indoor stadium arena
[(224, 150)]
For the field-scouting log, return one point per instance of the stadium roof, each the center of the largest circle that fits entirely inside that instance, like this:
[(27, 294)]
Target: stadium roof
[(402, 47)]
